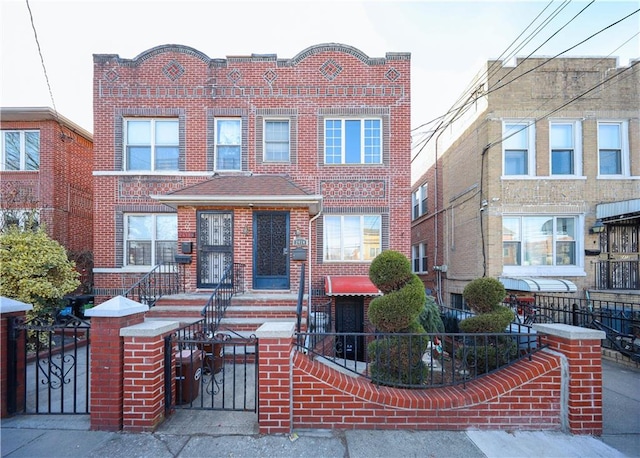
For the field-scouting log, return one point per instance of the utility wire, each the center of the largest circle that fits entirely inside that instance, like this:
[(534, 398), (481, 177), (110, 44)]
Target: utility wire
[(44, 69)]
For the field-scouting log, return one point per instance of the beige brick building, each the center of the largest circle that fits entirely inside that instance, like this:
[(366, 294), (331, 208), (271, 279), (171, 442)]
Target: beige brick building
[(539, 154)]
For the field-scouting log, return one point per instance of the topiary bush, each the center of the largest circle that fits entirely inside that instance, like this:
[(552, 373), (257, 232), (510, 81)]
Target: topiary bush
[(396, 360), (484, 294)]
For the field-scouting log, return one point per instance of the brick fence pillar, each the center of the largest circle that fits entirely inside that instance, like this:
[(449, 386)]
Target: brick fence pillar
[(107, 357), (275, 344), (583, 394), (144, 374), (11, 365)]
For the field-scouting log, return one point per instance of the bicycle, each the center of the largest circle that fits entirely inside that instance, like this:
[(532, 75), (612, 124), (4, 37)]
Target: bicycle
[(526, 312)]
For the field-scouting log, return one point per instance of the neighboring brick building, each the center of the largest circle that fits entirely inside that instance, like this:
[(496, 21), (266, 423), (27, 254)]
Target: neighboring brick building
[(46, 167), (541, 153), (243, 159)]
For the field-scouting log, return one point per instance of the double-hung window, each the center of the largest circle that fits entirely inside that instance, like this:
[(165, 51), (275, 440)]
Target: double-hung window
[(419, 258), (150, 239), (419, 201), (276, 140), (228, 133), (352, 237), (20, 150), (613, 148), (152, 144), (539, 241), (564, 139), (518, 148), (353, 141)]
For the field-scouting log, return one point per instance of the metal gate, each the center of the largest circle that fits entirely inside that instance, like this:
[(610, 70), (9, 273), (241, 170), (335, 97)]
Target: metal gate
[(48, 367), (212, 372)]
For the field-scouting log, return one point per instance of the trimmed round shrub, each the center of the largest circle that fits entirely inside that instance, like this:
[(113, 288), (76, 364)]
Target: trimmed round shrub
[(390, 270), (488, 354), (495, 322), (396, 310), (397, 360), (484, 294)]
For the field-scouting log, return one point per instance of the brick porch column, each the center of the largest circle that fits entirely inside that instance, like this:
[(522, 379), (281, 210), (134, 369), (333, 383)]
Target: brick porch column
[(582, 406), (107, 357), (144, 374), (275, 344), (10, 309)]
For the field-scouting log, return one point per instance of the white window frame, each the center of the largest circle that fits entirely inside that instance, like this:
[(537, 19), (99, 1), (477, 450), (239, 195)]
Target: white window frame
[(419, 258), (153, 240), (576, 147), (23, 155), (624, 146), (362, 246), (542, 270), (531, 145), (341, 148), (419, 202), (216, 165), (153, 145), (267, 141)]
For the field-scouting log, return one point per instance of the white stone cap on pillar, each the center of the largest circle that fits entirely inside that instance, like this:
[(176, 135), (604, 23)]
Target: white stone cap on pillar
[(570, 332), (8, 305), (276, 330), (116, 307), (150, 328)]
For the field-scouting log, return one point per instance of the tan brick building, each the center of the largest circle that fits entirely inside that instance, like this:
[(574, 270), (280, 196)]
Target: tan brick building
[(539, 154), (46, 168), (244, 159)]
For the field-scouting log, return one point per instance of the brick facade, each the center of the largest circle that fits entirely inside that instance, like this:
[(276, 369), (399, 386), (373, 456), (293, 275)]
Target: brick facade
[(178, 82), (476, 194), (62, 188)]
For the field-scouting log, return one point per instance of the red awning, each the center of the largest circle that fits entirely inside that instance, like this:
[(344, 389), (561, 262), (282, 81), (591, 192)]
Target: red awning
[(349, 285)]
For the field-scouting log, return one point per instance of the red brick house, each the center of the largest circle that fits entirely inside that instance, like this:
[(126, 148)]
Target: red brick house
[(247, 160), (46, 168)]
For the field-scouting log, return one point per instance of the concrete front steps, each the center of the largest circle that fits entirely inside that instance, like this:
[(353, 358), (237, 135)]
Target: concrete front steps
[(246, 313)]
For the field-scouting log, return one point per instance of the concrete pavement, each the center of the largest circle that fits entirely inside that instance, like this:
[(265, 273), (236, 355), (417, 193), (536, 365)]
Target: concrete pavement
[(229, 434)]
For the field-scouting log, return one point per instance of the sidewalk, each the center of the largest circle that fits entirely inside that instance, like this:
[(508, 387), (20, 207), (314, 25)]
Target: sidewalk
[(230, 434)]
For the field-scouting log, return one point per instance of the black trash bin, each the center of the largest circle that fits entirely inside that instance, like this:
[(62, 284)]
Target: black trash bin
[(188, 374)]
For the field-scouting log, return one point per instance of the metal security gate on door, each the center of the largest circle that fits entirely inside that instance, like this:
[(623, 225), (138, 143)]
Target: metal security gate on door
[(215, 246), (211, 372), (49, 366)]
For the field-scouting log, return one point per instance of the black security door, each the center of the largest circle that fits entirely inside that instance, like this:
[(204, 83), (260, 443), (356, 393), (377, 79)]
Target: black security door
[(350, 319), (215, 246), (271, 250)]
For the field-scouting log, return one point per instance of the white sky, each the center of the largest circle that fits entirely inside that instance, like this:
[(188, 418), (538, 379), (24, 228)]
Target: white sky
[(448, 41)]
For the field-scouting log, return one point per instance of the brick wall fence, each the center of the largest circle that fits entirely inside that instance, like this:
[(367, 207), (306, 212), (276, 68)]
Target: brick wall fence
[(560, 388)]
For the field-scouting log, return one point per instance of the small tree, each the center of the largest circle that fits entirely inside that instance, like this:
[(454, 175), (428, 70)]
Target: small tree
[(35, 269), (484, 296), (397, 360)]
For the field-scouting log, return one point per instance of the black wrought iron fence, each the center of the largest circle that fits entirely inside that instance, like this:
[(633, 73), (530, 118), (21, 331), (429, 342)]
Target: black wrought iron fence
[(231, 282), (419, 360), (163, 279)]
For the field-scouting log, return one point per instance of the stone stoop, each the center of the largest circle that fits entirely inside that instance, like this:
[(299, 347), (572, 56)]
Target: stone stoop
[(247, 311)]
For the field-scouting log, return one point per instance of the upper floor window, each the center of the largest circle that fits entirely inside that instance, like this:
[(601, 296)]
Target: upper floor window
[(419, 258), (20, 150), (539, 240), (228, 144), (564, 140), (276, 140), (352, 237), (419, 198), (518, 146), (353, 141), (150, 239), (613, 149), (152, 144)]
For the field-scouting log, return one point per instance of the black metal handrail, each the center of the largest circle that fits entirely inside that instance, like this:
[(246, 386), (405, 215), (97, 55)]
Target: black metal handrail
[(300, 298), (229, 284), (162, 280), (438, 359)]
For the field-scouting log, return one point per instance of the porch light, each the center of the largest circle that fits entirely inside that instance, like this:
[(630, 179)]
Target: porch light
[(598, 227)]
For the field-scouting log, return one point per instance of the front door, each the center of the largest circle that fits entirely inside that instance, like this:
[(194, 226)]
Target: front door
[(271, 250), (215, 246), (350, 319)]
